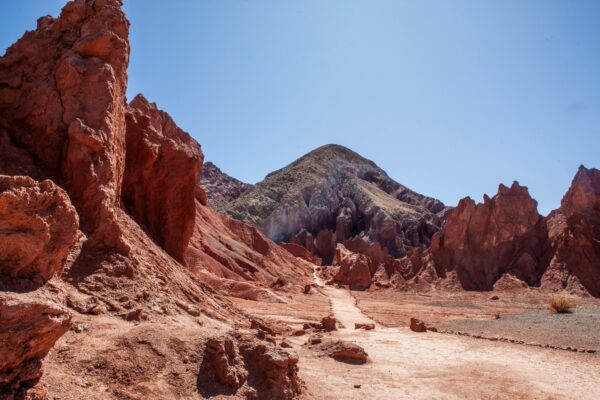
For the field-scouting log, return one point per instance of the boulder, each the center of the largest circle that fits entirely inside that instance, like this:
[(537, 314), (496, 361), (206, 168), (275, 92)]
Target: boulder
[(30, 327), (38, 228), (416, 325), (355, 269), (346, 352), (365, 326), (329, 323), (248, 365)]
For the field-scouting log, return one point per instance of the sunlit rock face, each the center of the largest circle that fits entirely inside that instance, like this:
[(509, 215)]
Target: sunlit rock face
[(62, 100), (163, 166), (334, 189), (504, 234), (503, 243), (574, 231)]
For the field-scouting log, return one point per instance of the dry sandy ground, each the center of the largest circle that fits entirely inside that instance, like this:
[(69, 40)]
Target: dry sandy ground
[(575, 331), (408, 365), (161, 359), (395, 308)]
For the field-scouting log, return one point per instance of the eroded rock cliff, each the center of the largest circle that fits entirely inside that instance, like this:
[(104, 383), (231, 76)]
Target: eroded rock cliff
[(159, 186), (503, 241)]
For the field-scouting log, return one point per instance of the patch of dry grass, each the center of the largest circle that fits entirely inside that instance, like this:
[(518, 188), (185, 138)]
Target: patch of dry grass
[(561, 304)]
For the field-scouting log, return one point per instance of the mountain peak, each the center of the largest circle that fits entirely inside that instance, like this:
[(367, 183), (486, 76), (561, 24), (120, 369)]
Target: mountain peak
[(334, 188)]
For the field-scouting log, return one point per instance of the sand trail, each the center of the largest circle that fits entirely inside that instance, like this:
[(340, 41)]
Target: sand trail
[(408, 365)]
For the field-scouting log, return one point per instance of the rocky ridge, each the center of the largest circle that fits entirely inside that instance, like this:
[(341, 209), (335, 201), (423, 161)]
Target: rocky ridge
[(505, 244), (221, 188)]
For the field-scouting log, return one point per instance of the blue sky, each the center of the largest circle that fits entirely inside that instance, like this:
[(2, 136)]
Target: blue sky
[(449, 97)]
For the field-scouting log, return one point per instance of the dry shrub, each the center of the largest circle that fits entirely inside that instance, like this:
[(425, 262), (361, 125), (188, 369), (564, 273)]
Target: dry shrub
[(561, 304)]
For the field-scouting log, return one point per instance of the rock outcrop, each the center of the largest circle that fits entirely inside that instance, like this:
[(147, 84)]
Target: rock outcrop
[(574, 232), (163, 166), (504, 244), (333, 195), (38, 232), (30, 327), (248, 366), (38, 228), (62, 100), (355, 270), (299, 251), (221, 188), (504, 234)]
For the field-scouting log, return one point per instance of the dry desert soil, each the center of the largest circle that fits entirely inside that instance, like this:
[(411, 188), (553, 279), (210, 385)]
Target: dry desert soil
[(407, 365)]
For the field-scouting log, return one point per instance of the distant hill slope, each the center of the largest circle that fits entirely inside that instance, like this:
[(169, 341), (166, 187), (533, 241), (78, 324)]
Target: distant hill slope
[(221, 188), (333, 195)]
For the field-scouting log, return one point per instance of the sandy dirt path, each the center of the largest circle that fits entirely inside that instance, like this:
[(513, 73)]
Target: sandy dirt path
[(408, 365)]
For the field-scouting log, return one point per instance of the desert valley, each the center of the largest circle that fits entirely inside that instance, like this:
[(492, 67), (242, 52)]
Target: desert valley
[(130, 268)]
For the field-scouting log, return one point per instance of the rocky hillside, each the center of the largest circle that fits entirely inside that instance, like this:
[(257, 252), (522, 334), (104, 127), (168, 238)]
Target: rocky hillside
[(221, 188), (100, 211), (333, 195)]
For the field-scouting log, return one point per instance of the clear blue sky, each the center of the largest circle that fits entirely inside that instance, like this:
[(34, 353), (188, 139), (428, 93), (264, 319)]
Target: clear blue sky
[(449, 97)]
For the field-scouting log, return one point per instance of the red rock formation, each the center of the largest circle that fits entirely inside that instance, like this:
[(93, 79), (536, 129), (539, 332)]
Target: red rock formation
[(325, 246), (14, 160), (504, 244), (305, 239), (480, 242), (159, 185), (46, 79), (62, 117), (30, 327), (355, 269), (249, 367), (583, 197), (38, 228), (574, 231)]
